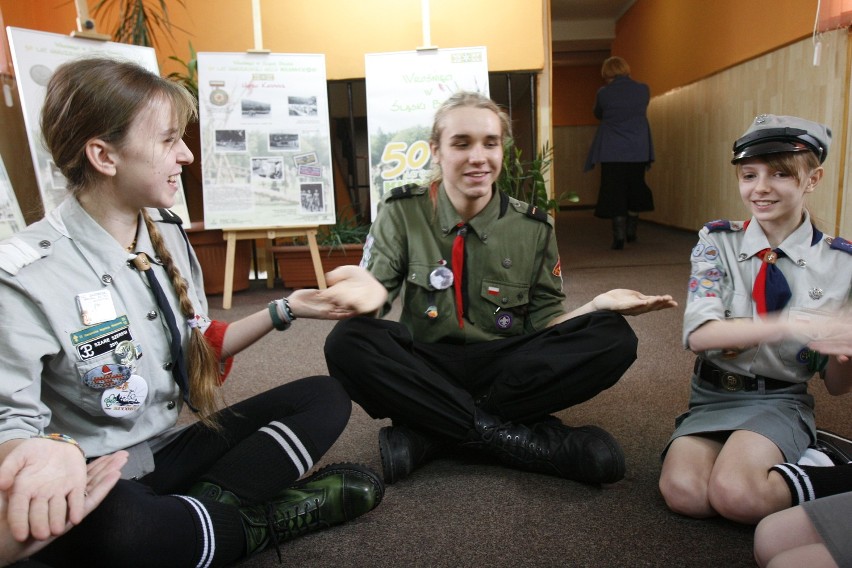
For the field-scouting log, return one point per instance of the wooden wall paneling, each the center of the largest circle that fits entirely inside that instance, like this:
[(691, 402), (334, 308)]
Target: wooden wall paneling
[(570, 146), (694, 126)]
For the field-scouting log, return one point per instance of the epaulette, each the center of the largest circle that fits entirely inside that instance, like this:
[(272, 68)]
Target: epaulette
[(839, 243), (720, 225), (169, 216), (531, 211), (405, 191), (16, 253)]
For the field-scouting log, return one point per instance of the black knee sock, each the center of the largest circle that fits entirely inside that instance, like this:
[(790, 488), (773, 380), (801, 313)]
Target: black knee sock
[(809, 482), (227, 543), (266, 462)]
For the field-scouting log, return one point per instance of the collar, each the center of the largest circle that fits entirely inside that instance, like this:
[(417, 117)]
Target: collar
[(448, 217), (795, 246), (103, 253)]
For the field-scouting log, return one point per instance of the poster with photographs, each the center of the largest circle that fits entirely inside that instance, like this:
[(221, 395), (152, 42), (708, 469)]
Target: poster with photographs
[(403, 91), (11, 219), (265, 143), (35, 55)]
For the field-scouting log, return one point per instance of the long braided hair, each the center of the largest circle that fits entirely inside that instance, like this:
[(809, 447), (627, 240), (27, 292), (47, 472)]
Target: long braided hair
[(98, 98)]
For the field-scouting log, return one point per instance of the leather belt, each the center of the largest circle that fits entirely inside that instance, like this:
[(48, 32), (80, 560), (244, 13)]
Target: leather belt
[(734, 382)]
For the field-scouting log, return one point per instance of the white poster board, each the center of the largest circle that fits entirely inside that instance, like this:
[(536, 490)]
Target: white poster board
[(265, 142), (11, 219), (35, 55), (404, 89)]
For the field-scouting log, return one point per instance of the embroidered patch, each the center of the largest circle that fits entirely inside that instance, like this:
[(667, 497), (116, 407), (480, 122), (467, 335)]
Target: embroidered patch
[(711, 253), (698, 249), (557, 270), (102, 338), (504, 320)]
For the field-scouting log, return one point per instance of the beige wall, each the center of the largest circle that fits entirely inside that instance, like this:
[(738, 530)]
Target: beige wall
[(695, 126)]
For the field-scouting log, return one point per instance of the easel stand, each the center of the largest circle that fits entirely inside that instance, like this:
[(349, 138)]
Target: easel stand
[(231, 237)]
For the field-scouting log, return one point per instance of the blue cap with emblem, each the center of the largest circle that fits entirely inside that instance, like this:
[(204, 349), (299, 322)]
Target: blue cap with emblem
[(772, 134)]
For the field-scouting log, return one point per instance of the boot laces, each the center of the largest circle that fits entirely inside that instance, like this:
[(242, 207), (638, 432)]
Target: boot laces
[(297, 521)]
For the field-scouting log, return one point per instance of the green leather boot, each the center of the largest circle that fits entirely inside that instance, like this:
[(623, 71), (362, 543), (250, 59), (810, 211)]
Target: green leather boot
[(333, 495)]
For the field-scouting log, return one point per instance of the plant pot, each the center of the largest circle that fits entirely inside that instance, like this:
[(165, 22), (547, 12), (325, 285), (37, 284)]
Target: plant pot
[(210, 248), (296, 267)]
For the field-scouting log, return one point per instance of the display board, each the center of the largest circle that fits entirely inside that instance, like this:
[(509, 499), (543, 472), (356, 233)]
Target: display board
[(35, 55), (404, 89), (11, 219), (265, 142)]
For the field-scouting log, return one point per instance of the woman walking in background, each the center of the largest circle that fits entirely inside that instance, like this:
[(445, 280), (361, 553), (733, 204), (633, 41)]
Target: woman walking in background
[(624, 149)]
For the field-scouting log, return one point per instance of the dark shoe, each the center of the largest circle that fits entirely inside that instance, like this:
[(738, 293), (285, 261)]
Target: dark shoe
[(335, 494), (587, 454), (836, 447), (619, 232), (403, 450), (632, 226)]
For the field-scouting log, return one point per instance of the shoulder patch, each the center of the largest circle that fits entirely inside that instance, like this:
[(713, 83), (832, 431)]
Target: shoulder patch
[(16, 254), (169, 216), (405, 191), (723, 225), (839, 243)]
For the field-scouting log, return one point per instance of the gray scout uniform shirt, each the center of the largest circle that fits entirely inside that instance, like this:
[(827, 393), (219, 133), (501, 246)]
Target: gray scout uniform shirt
[(724, 266), (84, 378), (514, 279)]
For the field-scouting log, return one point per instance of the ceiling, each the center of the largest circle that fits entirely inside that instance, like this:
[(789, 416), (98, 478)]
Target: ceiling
[(582, 30)]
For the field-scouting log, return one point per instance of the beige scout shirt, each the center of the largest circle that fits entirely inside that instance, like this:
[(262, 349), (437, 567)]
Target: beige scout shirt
[(724, 267), (49, 274), (514, 279)]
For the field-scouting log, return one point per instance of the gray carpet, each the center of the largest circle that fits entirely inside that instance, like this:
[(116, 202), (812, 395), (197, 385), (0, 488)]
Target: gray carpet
[(472, 512)]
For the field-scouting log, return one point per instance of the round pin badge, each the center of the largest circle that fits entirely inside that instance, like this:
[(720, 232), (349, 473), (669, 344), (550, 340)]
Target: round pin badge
[(107, 376), (126, 398), (126, 353), (441, 278)]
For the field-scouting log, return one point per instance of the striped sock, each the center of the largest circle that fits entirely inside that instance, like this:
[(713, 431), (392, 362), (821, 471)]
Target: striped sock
[(808, 482), (265, 463)]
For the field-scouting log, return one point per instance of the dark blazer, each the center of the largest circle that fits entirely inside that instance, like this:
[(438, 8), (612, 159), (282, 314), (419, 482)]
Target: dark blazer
[(624, 134)]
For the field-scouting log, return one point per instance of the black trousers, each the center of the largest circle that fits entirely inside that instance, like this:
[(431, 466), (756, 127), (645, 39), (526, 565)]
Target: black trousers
[(623, 189), (147, 523), (436, 387)]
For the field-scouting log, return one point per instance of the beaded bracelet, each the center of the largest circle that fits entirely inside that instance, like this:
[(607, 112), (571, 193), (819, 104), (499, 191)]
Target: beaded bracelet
[(61, 438), (277, 322)]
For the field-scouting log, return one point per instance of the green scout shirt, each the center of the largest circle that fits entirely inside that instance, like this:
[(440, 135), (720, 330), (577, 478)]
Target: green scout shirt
[(514, 279)]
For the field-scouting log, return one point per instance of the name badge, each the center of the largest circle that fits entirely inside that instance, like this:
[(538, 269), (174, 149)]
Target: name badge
[(95, 307)]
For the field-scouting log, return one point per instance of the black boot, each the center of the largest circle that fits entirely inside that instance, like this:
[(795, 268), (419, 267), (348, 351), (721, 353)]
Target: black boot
[(587, 454), (403, 450), (632, 226), (619, 232), (335, 494)]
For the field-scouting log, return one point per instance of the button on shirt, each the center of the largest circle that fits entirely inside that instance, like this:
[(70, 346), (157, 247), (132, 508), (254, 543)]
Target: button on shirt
[(724, 267), (39, 314)]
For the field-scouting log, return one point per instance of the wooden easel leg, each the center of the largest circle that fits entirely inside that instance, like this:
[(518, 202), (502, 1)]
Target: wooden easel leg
[(230, 252), (315, 255)]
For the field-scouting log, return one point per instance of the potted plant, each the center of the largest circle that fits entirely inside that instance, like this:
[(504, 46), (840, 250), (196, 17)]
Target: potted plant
[(525, 180)]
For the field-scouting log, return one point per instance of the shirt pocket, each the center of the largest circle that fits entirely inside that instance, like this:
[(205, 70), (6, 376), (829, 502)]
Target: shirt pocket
[(505, 305), (96, 375), (420, 295), (793, 352)]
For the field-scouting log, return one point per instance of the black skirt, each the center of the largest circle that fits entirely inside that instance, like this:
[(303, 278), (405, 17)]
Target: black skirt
[(623, 189)]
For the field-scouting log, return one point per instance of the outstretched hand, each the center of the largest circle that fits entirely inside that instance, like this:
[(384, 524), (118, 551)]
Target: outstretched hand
[(101, 476), (351, 291), (631, 302)]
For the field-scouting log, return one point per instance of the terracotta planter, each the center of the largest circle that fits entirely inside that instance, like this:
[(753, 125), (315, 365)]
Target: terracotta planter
[(297, 269), (210, 249)]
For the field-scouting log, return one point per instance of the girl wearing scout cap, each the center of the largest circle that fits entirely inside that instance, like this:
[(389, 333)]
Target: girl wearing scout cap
[(105, 336), (764, 315)]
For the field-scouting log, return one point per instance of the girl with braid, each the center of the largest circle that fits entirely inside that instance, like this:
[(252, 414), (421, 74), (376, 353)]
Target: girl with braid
[(105, 334)]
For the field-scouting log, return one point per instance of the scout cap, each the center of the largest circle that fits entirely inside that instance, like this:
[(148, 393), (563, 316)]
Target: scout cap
[(771, 134)]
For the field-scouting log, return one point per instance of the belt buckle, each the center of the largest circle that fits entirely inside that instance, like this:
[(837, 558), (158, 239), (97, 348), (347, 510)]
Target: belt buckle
[(731, 382)]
